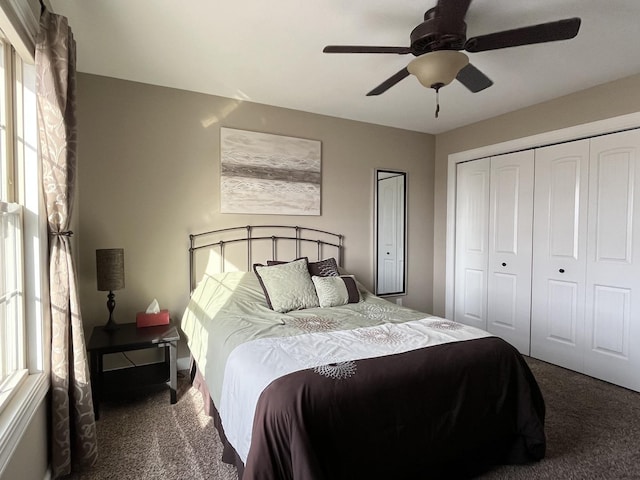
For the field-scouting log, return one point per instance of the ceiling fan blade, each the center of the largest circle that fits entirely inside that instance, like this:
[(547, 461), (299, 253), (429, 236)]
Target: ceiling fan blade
[(473, 79), (544, 32), (389, 82), (365, 49), (452, 13)]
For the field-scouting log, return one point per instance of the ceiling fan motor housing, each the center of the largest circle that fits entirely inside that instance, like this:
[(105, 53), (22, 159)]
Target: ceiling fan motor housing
[(429, 35)]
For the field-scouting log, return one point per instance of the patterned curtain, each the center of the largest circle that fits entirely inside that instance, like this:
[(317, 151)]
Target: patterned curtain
[(73, 430)]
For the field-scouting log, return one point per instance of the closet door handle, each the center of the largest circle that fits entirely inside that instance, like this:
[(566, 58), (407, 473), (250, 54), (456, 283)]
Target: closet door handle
[(561, 270), (504, 264)]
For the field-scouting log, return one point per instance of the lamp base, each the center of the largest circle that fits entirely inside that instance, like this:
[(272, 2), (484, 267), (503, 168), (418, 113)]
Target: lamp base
[(111, 324)]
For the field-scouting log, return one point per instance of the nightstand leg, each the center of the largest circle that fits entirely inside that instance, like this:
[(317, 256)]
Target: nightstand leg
[(173, 371), (96, 382)]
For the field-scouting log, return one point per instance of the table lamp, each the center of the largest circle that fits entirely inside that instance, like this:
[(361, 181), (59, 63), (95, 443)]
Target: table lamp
[(110, 274)]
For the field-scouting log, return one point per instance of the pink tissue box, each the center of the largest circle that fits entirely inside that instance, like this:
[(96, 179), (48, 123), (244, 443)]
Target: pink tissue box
[(152, 319)]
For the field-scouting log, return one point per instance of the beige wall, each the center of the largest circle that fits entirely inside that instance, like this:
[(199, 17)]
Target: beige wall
[(149, 175), (598, 103), (30, 458)]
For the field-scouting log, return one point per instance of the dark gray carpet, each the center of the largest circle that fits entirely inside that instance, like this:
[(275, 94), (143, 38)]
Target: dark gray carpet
[(593, 432), (592, 427)]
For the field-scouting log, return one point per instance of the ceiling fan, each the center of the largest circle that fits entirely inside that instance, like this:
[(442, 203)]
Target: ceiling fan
[(437, 43)]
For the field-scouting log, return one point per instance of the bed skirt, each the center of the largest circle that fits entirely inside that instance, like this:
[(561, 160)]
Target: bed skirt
[(229, 454)]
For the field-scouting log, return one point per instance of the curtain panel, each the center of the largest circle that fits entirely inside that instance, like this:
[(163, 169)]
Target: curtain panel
[(73, 430)]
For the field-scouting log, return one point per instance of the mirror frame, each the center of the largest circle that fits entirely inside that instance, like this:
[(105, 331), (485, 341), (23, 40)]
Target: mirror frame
[(376, 180)]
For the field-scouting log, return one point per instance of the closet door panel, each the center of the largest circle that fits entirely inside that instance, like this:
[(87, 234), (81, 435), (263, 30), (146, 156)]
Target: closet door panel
[(562, 309), (510, 243), (611, 312), (613, 267), (503, 298), (472, 223), (559, 253)]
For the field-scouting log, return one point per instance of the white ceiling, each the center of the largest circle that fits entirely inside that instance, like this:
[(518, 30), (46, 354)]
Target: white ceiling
[(270, 52)]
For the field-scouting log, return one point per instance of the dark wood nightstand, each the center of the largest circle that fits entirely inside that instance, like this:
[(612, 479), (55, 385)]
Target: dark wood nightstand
[(125, 338)]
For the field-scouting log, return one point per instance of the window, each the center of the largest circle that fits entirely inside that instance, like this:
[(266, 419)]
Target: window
[(12, 320), (12, 351), (23, 247)]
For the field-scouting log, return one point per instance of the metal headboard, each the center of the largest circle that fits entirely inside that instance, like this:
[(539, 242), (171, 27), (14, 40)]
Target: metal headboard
[(299, 235)]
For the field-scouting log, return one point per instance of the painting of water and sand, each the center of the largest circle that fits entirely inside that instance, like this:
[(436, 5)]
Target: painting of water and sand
[(263, 173)]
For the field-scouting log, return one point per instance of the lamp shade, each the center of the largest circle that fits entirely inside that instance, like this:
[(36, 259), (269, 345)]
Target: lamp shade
[(439, 68), (110, 269)]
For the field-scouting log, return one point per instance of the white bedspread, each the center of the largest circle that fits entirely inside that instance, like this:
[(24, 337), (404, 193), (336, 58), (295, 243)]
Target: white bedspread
[(252, 366)]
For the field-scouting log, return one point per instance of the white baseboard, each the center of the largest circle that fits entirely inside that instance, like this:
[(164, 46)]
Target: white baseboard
[(183, 363)]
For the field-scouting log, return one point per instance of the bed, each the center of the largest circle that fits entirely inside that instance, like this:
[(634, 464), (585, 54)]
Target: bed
[(308, 375)]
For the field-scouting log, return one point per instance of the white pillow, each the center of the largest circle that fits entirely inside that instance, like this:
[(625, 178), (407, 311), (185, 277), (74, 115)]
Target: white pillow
[(287, 286), (336, 291)]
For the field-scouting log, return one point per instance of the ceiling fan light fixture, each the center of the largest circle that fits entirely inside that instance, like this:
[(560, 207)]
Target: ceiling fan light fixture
[(439, 68)]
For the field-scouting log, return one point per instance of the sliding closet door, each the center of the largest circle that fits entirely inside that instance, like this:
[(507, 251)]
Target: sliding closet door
[(559, 253), (510, 242), (472, 223), (613, 260)]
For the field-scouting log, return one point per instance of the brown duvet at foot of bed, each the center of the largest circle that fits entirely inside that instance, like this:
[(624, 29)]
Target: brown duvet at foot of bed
[(452, 408)]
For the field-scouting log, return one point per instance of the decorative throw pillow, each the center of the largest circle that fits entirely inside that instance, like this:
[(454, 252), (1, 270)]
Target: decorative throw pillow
[(271, 263), (323, 268), (336, 291), (287, 286)]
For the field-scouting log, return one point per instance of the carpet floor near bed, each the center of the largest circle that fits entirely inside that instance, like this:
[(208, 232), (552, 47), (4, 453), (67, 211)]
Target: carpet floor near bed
[(592, 427)]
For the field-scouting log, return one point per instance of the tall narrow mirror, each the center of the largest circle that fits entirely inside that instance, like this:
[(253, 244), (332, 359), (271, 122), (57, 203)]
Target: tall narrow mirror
[(390, 232)]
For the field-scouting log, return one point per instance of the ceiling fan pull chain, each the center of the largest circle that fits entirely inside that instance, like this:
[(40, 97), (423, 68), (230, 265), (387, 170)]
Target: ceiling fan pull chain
[(437, 101)]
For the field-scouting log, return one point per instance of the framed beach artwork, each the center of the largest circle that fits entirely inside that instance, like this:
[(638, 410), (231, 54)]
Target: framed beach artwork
[(263, 173)]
